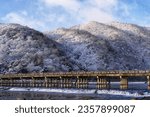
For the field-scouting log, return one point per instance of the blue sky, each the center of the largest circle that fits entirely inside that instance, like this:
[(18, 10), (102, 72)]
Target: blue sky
[(46, 15)]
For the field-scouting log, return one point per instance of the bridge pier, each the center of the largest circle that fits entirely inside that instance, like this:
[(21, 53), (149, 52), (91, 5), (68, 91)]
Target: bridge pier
[(103, 83), (79, 83), (1, 81), (85, 83), (46, 83), (53, 82), (21, 83), (33, 82), (61, 82), (50, 82), (70, 83), (123, 83), (148, 82), (11, 83), (7, 82), (82, 83), (64, 82)]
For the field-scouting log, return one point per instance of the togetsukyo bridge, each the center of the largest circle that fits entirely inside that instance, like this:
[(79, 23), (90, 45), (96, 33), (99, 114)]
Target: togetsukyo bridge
[(98, 80)]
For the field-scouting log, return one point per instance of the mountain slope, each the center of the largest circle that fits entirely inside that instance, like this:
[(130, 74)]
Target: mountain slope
[(98, 46), (87, 47), (25, 50)]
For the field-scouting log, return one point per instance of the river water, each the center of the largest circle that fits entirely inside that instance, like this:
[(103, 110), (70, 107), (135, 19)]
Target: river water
[(137, 90), (8, 93)]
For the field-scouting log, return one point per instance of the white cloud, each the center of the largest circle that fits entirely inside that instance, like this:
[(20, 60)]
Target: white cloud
[(103, 3), (95, 10), (23, 19), (49, 14), (67, 4), (96, 15), (99, 10)]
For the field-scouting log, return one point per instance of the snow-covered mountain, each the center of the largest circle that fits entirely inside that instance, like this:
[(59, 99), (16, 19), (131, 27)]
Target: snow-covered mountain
[(90, 47), (114, 46), (25, 50)]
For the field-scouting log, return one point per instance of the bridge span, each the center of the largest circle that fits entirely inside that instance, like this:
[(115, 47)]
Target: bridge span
[(98, 79)]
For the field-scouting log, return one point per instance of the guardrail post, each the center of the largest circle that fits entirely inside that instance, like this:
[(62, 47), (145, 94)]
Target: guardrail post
[(123, 83)]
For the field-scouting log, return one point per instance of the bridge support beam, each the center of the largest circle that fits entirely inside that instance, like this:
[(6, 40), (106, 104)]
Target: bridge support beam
[(123, 83), (148, 82)]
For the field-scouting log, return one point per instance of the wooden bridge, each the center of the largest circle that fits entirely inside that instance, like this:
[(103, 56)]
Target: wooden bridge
[(99, 80)]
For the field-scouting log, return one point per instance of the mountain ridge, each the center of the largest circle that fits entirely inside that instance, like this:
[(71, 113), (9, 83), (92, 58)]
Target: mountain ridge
[(92, 46)]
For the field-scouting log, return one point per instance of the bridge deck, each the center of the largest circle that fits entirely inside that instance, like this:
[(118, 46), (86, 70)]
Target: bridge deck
[(86, 74), (101, 79)]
